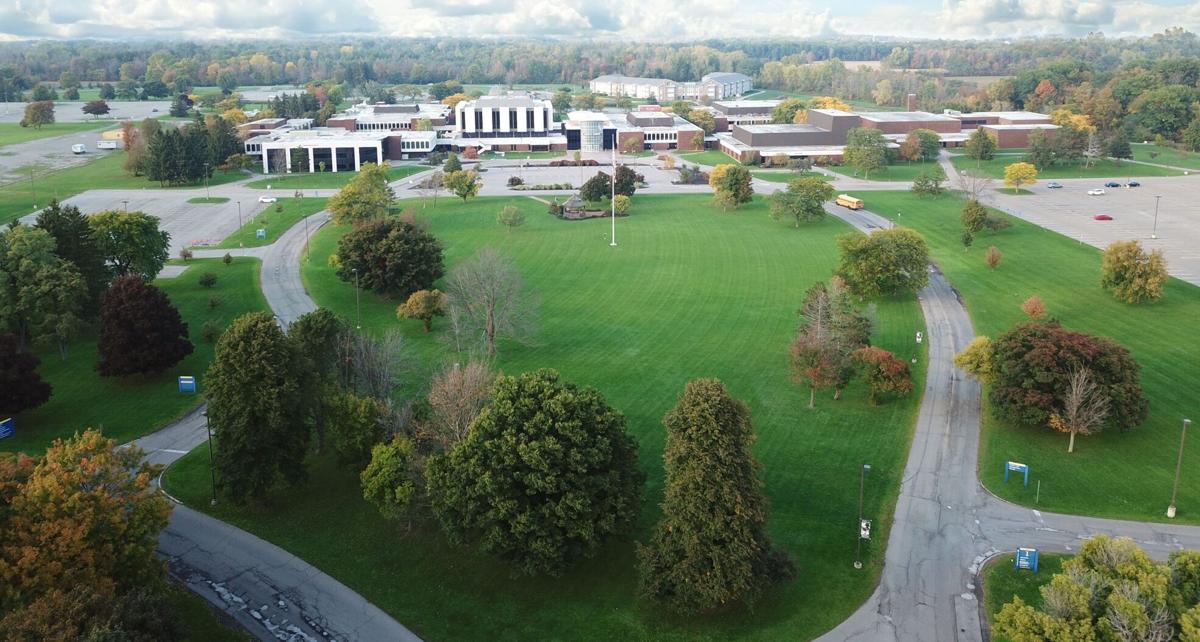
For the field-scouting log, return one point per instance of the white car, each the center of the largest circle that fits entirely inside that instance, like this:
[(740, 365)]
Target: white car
[(1096, 192), (272, 199)]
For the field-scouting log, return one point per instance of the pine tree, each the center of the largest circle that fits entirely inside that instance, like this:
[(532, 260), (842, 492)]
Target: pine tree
[(75, 244), (711, 549), (260, 439)]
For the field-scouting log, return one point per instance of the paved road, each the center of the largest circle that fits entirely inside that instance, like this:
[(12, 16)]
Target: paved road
[(274, 594), (47, 154), (946, 524)]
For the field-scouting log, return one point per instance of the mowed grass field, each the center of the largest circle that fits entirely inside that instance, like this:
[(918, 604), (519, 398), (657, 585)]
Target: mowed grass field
[(1113, 474), (129, 407), (1165, 156), (900, 171), (1002, 582), (326, 180), (13, 133), (18, 199), (689, 292), (709, 158), (293, 211), (1103, 169)]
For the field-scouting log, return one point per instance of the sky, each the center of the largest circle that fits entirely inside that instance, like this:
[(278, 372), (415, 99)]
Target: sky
[(653, 20)]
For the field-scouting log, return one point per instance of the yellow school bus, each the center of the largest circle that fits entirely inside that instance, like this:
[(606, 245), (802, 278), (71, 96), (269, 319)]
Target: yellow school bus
[(846, 200)]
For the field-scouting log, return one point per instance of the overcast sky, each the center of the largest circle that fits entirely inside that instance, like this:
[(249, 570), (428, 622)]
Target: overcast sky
[(629, 19)]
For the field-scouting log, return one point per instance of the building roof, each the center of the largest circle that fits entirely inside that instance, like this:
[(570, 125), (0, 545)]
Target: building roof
[(774, 128), (725, 76), (506, 101), (834, 112), (323, 136), (1021, 126), (631, 80), (586, 116), (903, 117), (746, 104), (1006, 115)]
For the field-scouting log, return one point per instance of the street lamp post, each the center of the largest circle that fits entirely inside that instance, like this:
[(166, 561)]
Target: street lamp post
[(206, 194), (126, 204), (1178, 467), (357, 302), (33, 188), (212, 471), (613, 198), (862, 481), (1154, 233)]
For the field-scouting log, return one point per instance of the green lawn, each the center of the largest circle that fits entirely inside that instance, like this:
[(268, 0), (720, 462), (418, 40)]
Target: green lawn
[(200, 622), (711, 158), (775, 94), (1002, 582), (689, 292), (18, 199), (902, 171), (784, 176), (522, 155), (275, 223), (1114, 474), (326, 180), (129, 407), (208, 200), (1166, 156), (12, 133), (1103, 168)]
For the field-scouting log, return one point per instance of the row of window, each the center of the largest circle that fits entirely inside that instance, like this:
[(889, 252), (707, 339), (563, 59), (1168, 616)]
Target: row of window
[(494, 125)]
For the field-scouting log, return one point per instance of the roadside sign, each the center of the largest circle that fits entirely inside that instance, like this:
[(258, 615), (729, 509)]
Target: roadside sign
[(187, 384), (7, 427), (864, 529), (260, 233), (1018, 468), (1027, 559)]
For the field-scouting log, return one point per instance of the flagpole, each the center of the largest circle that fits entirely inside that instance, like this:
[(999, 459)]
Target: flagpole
[(613, 196)]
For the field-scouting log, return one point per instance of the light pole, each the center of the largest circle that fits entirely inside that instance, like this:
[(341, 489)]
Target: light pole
[(1178, 467), (239, 215), (357, 302), (126, 204), (33, 188), (862, 481), (212, 471), (1154, 233), (306, 250), (613, 198)]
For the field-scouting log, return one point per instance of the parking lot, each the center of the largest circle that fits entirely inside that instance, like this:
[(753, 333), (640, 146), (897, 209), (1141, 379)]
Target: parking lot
[(1070, 211), (72, 111)]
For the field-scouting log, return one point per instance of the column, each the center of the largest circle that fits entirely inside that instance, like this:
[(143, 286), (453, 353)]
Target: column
[(504, 112), (312, 165), (333, 158), (539, 120), (467, 121), (266, 154), (287, 159), (521, 111), (357, 159), (487, 119), (379, 153)]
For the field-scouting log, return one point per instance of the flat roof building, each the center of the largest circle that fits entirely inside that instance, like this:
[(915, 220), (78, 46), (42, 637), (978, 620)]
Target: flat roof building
[(390, 117), (714, 86), (641, 130), (507, 123)]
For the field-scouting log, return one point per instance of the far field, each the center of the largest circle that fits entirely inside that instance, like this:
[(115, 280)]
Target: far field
[(13, 133), (710, 158), (1166, 156), (1113, 474), (129, 407), (326, 180), (774, 94), (901, 171), (689, 292), (1104, 168)]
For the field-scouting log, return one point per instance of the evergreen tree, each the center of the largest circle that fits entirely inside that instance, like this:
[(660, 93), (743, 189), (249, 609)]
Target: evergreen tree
[(711, 548), (140, 331), (74, 243), (179, 107), (21, 387), (261, 439)]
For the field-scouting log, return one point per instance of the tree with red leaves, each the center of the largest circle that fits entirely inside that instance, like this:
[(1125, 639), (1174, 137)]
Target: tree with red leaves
[(140, 331), (883, 373), (21, 387)]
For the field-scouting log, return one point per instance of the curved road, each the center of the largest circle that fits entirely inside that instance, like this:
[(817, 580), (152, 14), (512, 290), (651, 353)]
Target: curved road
[(272, 593), (946, 523)]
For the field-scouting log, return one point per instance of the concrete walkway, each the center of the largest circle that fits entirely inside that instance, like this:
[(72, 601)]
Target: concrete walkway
[(272, 593), (946, 524)]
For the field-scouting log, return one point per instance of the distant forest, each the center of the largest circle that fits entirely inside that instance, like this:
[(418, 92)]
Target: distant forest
[(1145, 86)]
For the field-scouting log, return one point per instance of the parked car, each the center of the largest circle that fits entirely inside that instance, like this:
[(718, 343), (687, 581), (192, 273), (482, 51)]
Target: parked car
[(1096, 192), (78, 148), (1133, 184), (1112, 184), (1102, 217), (1054, 185), (267, 199)]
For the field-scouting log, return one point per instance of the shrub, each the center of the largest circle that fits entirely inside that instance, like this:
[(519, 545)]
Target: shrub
[(993, 257), (208, 279), (514, 181), (209, 331), (185, 254), (213, 302), (227, 259), (1034, 308)]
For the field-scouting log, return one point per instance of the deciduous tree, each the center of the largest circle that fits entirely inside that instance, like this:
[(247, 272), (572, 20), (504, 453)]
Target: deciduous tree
[(465, 185), (511, 217), (1082, 409), (710, 551), (978, 360), (993, 256), (387, 481), (75, 243), (597, 188), (546, 475), (96, 108), (731, 186), (884, 262), (38, 113), (140, 331), (456, 396), (973, 216), (1017, 175), (355, 424), (21, 386), (130, 242), (41, 295), (488, 300), (866, 150), (261, 439), (366, 197), (1133, 275), (318, 336), (390, 256), (423, 305), (883, 373), (803, 200), (980, 145), (1034, 308), (785, 111)]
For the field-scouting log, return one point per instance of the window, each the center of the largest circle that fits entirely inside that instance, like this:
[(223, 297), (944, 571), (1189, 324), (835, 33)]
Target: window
[(529, 119), (495, 119), (512, 119)]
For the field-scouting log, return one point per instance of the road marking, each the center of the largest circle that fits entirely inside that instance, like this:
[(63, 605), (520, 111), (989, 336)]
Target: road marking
[(173, 451)]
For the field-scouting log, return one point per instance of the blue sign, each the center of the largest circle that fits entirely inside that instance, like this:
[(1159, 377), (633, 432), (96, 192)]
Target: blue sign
[(7, 427), (260, 233), (187, 384), (1015, 467), (1027, 559)]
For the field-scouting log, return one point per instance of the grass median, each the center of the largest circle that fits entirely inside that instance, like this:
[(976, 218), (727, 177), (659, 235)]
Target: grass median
[(689, 292), (326, 180)]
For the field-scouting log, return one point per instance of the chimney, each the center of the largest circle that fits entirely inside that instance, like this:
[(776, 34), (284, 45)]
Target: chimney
[(910, 102)]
